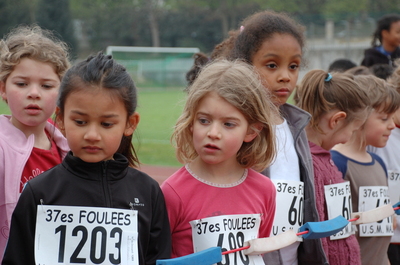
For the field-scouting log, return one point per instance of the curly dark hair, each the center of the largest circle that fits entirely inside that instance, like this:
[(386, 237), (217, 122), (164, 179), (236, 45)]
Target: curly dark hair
[(260, 27), (200, 60), (243, 43)]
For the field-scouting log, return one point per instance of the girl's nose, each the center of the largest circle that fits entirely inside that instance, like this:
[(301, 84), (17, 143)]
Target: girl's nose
[(284, 76), (34, 91), (214, 132), (92, 134)]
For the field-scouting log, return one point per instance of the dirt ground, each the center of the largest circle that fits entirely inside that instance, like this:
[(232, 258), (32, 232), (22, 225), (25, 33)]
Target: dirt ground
[(159, 173)]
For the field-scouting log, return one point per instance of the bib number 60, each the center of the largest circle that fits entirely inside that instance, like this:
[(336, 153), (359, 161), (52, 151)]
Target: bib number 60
[(295, 214)]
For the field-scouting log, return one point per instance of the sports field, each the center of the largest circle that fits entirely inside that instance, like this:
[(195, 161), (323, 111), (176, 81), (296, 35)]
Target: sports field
[(159, 110)]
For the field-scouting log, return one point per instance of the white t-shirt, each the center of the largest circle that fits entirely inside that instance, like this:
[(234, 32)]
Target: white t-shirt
[(286, 167), (286, 164)]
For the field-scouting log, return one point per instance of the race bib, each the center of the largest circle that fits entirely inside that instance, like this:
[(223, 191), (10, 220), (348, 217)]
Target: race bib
[(371, 197), (228, 232), (338, 202), (394, 186), (86, 235), (289, 206), (394, 195)]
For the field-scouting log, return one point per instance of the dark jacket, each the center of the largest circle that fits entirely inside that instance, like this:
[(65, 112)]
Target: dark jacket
[(373, 56), (104, 184), (310, 251)]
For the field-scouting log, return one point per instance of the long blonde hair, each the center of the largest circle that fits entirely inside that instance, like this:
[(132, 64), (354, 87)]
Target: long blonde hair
[(239, 85)]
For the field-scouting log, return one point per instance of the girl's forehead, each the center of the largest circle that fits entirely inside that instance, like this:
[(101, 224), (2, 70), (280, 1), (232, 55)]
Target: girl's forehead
[(93, 103), (95, 92), (280, 45), (277, 38), (91, 89)]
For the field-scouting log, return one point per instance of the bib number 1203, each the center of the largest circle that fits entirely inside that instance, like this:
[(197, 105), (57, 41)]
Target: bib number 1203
[(98, 240), (86, 235)]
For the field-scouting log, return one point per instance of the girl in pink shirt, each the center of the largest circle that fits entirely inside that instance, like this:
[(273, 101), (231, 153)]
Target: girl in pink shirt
[(223, 136)]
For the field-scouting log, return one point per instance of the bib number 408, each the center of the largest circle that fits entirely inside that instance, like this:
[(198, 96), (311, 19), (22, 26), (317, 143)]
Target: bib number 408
[(234, 243), (98, 244)]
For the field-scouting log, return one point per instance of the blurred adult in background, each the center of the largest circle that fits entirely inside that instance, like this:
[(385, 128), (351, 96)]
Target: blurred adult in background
[(385, 42)]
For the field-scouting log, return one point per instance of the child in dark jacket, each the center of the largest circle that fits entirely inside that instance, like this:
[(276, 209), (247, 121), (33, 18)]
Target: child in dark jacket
[(387, 50), (94, 208)]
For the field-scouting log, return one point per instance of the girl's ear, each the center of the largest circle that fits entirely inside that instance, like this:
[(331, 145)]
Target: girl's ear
[(132, 123), (60, 121), (252, 132), (337, 118)]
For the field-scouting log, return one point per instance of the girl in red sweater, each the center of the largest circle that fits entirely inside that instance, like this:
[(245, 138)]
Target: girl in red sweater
[(338, 107)]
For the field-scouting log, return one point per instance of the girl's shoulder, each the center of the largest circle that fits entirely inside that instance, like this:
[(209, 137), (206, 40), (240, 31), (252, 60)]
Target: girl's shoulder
[(257, 185), (378, 159), (48, 178), (177, 178), (252, 174), (141, 178), (9, 131), (258, 180), (340, 161)]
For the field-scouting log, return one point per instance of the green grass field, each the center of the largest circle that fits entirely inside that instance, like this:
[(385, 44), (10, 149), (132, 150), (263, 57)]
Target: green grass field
[(158, 111), (4, 108)]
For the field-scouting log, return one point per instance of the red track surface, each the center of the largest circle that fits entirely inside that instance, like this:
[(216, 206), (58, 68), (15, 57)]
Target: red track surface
[(158, 173)]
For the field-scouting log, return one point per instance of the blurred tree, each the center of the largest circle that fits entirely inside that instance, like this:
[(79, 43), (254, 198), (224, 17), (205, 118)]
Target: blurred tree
[(14, 13), (152, 9), (118, 23), (344, 9), (55, 16), (229, 13), (203, 23), (188, 27)]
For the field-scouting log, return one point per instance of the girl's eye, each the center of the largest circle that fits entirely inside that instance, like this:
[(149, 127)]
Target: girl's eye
[(271, 65), (203, 121), (80, 122), (20, 84), (294, 66), (229, 124), (47, 86), (107, 124)]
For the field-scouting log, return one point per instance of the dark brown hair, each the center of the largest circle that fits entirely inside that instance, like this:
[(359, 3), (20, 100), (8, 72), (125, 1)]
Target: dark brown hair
[(102, 72), (384, 23), (261, 27)]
